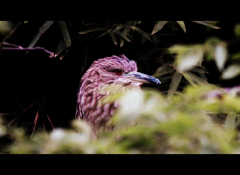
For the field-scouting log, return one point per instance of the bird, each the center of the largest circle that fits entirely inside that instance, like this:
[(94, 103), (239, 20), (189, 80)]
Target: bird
[(113, 70)]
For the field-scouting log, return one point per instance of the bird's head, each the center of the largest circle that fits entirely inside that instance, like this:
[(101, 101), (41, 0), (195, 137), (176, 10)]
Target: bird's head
[(104, 77), (118, 70)]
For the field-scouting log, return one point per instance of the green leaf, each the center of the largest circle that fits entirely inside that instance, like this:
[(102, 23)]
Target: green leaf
[(175, 83), (93, 30), (155, 39), (61, 47), (206, 23), (186, 61), (158, 26), (126, 30), (196, 78), (182, 25), (178, 49), (120, 26), (231, 72), (44, 27), (84, 60), (143, 40), (165, 69), (104, 33), (230, 121), (189, 79), (202, 75), (134, 23), (124, 33), (65, 33), (5, 27), (210, 47), (123, 36), (93, 23), (236, 56), (237, 29), (198, 70), (113, 37), (111, 98), (126, 112), (121, 42), (144, 34), (229, 124), (220, 55), (84, 55)]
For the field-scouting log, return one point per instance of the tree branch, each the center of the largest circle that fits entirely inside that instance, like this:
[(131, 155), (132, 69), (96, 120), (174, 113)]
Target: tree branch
[(17, 47)]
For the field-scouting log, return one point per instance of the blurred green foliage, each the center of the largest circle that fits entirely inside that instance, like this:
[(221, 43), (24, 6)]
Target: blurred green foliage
[(5, 27), (181, 124)]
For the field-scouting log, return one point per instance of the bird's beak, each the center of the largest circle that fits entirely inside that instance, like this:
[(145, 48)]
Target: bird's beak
[(139, 77)]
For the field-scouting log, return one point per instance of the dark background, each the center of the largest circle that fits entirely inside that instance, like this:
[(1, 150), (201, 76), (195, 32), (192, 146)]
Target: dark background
[(50, 84)]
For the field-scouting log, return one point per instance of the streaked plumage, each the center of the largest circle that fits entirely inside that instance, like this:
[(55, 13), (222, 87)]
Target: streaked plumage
[(112, 70)]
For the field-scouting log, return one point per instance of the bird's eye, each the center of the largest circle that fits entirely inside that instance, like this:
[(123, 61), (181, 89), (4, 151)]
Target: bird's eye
[(118, 72)]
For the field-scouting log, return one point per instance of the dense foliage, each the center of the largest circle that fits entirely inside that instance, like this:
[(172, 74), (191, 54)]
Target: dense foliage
[(190, 112)]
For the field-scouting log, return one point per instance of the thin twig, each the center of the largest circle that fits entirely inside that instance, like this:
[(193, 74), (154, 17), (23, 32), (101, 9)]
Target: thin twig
[(18, 113), (48, 118), (11, 121), (17, 47), (14, 45), (51, 54), (36, 118), (10, 114), (50, 122), (43, 127), (30, 106)]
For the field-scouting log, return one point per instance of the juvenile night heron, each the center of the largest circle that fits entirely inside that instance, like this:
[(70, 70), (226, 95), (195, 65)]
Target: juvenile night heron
[(112, 70)]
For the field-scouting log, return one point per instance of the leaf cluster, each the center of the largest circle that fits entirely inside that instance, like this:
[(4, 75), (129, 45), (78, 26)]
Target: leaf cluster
[(182, 124)]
